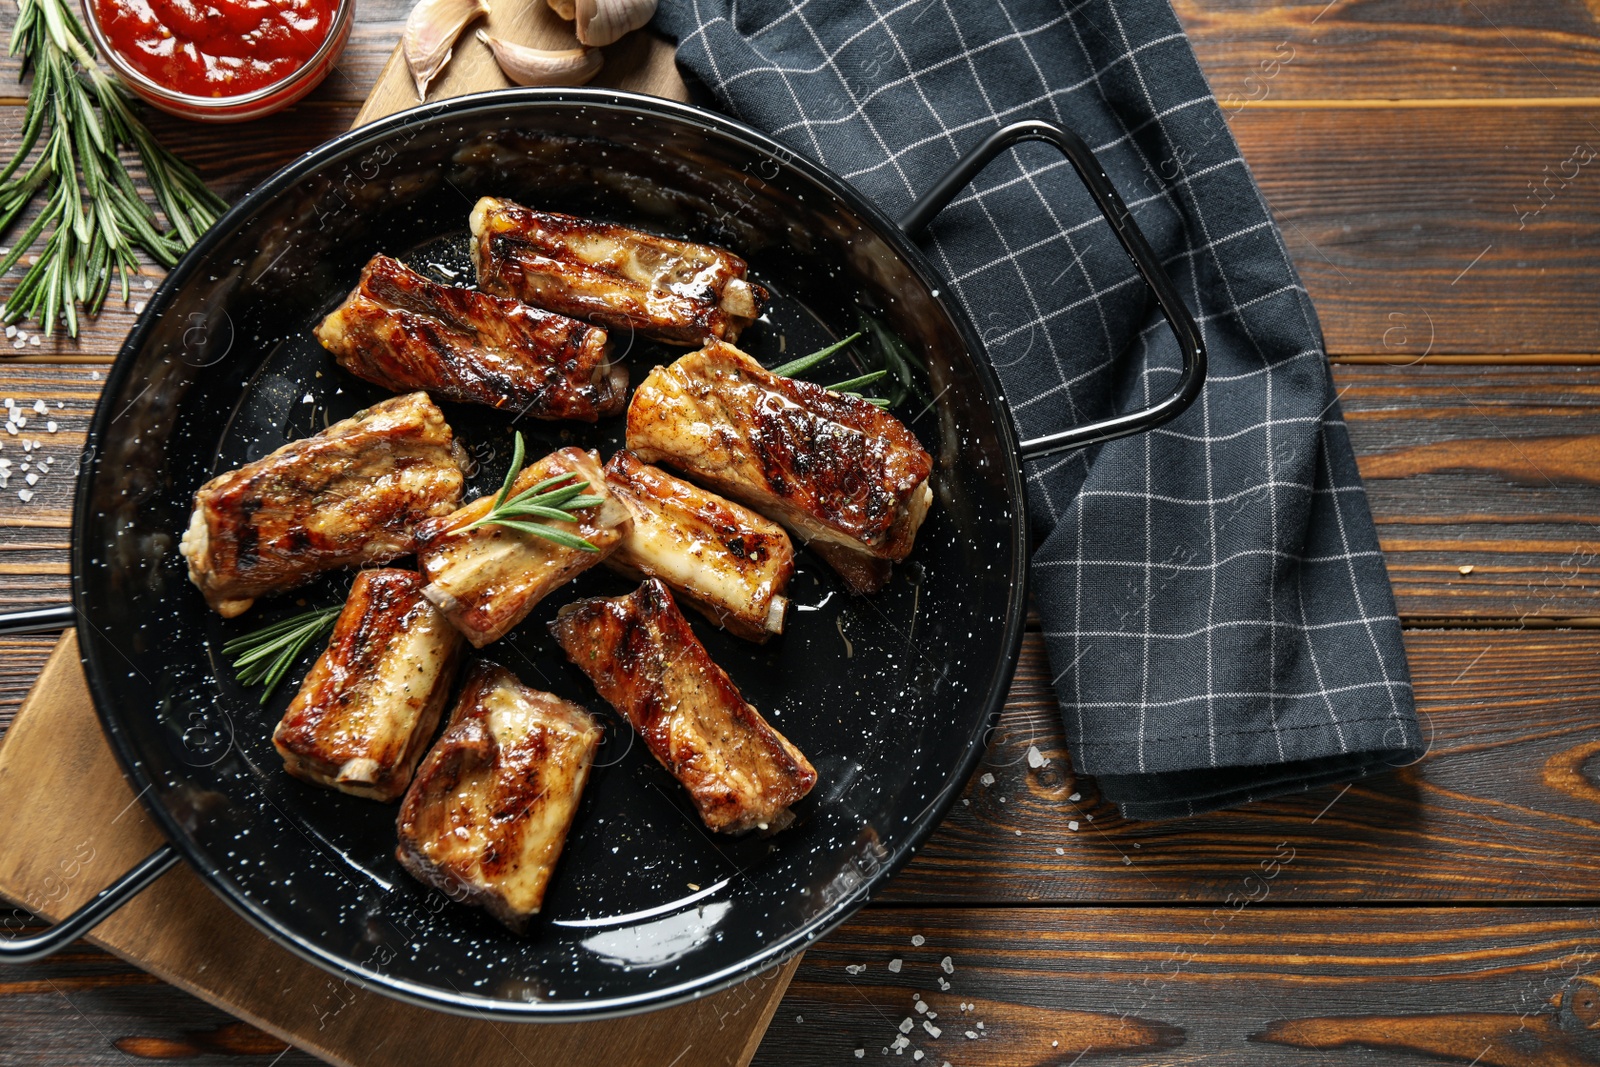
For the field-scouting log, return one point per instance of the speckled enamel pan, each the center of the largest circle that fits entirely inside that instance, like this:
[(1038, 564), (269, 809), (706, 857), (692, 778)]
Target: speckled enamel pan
[(890, 696)]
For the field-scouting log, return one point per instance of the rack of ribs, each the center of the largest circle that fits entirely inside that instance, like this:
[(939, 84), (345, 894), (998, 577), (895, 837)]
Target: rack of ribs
[(486, 580), (727, 562), (401, 330), (625, 280), (351, 495), (644, 659), (366, 712), (487, 816), (848, 479)]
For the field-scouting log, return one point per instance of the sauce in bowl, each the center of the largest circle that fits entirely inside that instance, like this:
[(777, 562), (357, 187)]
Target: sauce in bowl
[(216, 48)]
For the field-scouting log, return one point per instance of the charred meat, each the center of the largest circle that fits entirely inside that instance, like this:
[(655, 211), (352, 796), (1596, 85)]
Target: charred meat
[(350, 495), (728, 562), (365, 713), (487, 579), (401, 330), (848, 479), (642, 657), (487, 816), (630, 282)]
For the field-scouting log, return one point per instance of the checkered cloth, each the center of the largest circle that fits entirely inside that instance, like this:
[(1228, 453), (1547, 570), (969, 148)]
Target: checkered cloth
[(1219, 622)]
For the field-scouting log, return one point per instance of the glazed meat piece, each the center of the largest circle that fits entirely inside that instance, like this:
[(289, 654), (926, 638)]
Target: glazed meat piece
[(350, 495), (625, 280), (400, 330), (847, 478), (729, 563), (487, 816), (642, 657), (365, 713), (487, 579)]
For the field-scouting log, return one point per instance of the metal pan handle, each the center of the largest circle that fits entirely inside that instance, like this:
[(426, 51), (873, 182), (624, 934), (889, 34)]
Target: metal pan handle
[(1093, 176), (55, 938)]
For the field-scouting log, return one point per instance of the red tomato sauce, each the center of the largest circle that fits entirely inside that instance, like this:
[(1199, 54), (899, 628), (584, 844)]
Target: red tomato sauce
[(216, 47)]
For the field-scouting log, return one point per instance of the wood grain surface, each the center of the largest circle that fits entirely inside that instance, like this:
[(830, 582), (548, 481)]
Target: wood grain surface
[(1449, 912)]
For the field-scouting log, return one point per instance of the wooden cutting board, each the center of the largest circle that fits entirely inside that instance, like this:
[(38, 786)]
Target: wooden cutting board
[(69, 823)]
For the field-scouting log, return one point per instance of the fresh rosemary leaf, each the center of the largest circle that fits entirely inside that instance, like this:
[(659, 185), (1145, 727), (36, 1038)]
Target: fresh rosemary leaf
[(264, 656), (854, 384), (548, 499), (96, 220), (796, 367)]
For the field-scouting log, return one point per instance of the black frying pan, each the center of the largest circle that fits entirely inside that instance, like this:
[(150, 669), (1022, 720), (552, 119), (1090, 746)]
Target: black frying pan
[(891, 696)]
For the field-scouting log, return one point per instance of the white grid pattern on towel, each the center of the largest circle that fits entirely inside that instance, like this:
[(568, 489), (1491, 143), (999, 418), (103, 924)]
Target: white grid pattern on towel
[(1256, 481)]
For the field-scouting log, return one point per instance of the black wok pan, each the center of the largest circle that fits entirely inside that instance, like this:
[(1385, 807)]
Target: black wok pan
[(891, 696)]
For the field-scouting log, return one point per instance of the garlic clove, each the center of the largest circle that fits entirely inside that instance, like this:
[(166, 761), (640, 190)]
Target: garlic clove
[(430, 37), (535, 66), (600, 22), (565, 9)]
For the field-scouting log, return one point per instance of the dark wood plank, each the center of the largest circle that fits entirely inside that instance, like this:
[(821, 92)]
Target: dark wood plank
[(1466, 467), (1504, 806), (1199, 986), (1394, 49), (1390, 250), (21, 658)]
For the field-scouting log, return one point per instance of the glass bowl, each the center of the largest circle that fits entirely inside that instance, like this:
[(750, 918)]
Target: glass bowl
[(248, 105)]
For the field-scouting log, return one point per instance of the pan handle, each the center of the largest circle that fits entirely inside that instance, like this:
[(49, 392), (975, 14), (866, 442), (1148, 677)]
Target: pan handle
[(1133, 241), (36, 620), (55, 938)]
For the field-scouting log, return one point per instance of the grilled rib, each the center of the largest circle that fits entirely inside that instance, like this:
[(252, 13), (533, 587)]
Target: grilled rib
[(487, 580), (848, 479), (352, 494), (642, 657), (729, 563), (667, 290), (365, 713), (401, 330), (486, 818)]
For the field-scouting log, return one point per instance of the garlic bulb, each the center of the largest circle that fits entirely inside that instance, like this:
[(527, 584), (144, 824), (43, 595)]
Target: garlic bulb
[(430, 37), (601, 22), (534, 66)]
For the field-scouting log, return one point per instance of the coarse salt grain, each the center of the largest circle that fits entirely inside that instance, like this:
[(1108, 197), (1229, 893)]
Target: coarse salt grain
[(854, 968), (906, 1024), (138, 309), (34, 341), (917, 1055), (11, 428), (39, 406), (51, 426), (1075, 797), (24, 495), (918, 940), (861, 1053), (949, 968), (932, 1029), (972, 1035), (944, 985), (894, 966), (1060, 851), (921, 1006), (900, 1044), (1072, 825), (1035, 757), (32, 479), (987, 779)]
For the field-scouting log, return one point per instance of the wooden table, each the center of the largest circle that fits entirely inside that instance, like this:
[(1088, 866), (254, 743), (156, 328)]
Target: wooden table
[(1424, 162)]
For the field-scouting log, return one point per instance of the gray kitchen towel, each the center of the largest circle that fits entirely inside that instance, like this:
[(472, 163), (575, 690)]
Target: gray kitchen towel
[(1218, 617)]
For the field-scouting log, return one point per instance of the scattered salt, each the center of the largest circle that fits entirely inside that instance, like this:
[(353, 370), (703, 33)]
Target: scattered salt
[(1060, 851), (1035, 757), (138, 309), (32, 479), (1075, 797), (987, 779), (932, 1029), (34, 341), (861, 1053), (972, 1035), (918, 940), (51, 426), (39, 406), (900, 1044), (1072, 825), (11, 331), (944, 985), (799, 1019), (854, 968), (1127, 861), (921, 1006), (906, 1024), (24, 495), (21, 421), (917, 1055), (894, 966), (949, 968), (11, 428)]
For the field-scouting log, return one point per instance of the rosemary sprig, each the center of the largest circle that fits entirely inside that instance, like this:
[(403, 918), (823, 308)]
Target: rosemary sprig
[(549, 499), (95, 218), (264, 656), (796, 367)]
